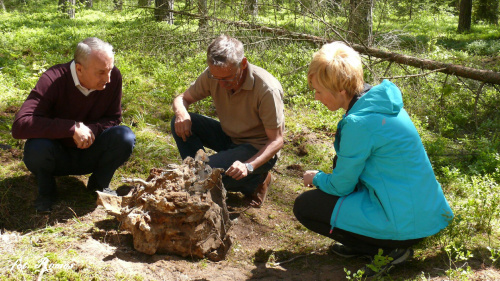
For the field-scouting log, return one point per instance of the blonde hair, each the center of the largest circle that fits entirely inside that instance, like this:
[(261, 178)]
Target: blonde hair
[(337, 67)]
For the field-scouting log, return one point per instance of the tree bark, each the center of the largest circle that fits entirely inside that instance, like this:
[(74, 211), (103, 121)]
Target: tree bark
[(203, 11), (164, 10), (2, 5), (118, 4), (360, 22), (465, 16), (68, 7), (253, 7)]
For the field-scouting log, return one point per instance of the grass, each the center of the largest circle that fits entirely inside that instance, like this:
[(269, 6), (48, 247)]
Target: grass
[(159, 61)]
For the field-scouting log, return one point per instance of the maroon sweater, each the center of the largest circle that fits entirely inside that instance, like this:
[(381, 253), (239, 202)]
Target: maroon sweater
[(53, 106)]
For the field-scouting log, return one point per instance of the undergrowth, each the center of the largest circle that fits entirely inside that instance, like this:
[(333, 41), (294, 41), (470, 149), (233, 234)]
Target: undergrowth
[(158, 61)]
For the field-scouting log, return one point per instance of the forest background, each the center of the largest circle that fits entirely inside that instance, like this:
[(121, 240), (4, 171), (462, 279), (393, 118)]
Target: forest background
[(444, 55)]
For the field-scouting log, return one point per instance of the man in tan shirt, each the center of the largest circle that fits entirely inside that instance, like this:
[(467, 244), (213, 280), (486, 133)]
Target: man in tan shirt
[(249, 105)]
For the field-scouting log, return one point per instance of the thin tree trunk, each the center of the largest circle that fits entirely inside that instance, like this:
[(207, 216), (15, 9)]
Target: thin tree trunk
[(118, 4), (253, 7), (68, 7), (161, 10), (465, 16), (170, 15), (2, 5), (360, 22), (203, 11)]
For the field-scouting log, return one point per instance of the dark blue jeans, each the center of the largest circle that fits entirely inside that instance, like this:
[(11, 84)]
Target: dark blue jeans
[(47, 158), (207, 132)]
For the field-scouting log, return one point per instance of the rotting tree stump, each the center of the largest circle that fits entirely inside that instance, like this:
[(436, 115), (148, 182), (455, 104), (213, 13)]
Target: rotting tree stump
[(179, 210)]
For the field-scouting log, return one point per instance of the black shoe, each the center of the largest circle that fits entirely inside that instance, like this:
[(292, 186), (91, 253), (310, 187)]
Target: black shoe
[(345, 251), (43, 203), (396, 256)]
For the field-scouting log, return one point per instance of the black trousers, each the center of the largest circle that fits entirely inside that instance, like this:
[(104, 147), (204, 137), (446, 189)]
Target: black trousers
[(314, 209), (47, 158)]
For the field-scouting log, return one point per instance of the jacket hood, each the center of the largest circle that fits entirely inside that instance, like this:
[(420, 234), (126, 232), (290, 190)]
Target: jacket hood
[(384, 98)]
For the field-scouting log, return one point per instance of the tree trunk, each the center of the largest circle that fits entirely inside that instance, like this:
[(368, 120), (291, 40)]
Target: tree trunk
[(487, 10), (170, 15), (163, 11), (143, 3), (203, 11), (360, 22), (2, 6), (68, 6), (253, 7), (118, 4), (465, 16)]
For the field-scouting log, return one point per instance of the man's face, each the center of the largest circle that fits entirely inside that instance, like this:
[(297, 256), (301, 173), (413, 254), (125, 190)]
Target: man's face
[(96, 71), (229, 77)]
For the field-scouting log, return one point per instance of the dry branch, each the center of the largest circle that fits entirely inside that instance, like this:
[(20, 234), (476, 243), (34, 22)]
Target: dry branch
[(486, 76)]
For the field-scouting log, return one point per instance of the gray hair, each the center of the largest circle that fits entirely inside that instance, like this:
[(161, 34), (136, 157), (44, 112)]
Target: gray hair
[(225, 50), (84, 48)]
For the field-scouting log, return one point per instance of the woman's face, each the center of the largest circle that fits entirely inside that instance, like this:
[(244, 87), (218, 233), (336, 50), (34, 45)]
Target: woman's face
[(333, 101)]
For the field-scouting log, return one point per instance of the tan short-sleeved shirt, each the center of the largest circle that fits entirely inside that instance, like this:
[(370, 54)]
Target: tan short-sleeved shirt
[(245, 114)]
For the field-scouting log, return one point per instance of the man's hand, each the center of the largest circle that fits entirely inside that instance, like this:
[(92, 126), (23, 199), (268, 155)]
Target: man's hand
[(83, 136), (182, 118), (308, 177), (183, 126), (237, 171)]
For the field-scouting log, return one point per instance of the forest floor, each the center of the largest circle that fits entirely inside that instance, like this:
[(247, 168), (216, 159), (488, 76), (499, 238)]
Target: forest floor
[(268, 243)]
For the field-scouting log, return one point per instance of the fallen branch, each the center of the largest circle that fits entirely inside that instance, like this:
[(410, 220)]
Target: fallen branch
[(486, 76), (413, 75)]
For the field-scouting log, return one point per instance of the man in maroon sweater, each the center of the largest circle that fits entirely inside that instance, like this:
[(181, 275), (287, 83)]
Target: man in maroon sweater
[(71, 121)]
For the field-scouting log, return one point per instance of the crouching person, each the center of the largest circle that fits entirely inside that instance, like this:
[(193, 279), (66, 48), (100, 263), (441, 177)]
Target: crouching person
[(382, 192), (249, 134), (71, 122)]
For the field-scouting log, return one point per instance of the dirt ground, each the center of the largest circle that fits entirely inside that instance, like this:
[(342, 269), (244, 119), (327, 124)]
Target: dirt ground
[(268, 243)]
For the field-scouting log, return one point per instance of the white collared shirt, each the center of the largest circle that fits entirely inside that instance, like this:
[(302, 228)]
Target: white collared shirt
[(82, 89)]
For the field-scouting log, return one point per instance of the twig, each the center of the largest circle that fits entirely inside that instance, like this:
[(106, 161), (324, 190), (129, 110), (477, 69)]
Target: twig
[(414, 75)]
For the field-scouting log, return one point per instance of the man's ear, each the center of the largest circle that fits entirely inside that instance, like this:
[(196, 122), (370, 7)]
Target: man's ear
[(78, 67), (244, 63)]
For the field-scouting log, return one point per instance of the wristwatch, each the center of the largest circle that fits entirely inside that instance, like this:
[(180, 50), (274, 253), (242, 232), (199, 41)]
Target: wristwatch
[(249, 168)]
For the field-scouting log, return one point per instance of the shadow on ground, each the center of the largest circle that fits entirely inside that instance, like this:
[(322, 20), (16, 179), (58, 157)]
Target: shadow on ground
[(17, 196)]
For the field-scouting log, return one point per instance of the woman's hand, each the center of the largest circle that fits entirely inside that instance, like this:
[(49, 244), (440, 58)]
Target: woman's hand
[(308, 177)]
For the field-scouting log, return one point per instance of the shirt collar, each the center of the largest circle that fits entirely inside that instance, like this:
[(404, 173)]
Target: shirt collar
[(82, 89)]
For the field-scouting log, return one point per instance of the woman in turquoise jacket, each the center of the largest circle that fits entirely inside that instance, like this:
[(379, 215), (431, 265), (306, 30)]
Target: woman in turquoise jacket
[(382, 192)]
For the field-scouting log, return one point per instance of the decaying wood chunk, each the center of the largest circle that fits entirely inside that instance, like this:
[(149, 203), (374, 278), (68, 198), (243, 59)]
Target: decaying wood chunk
[(179, 210)]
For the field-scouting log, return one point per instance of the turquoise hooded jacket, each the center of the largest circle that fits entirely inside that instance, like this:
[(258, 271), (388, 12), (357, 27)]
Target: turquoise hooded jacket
[(385, 180)]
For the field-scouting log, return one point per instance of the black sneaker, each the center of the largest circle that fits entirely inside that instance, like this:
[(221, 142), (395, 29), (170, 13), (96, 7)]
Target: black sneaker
[(345, 251), (396, 256), (43, 203)]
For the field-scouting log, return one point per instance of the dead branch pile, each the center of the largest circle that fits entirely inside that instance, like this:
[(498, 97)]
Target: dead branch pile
[(179, 210)]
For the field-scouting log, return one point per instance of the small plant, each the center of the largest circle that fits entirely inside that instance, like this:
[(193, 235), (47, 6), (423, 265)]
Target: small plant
[(495, 256), (456, 255), (358, 275), (379, 261)]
